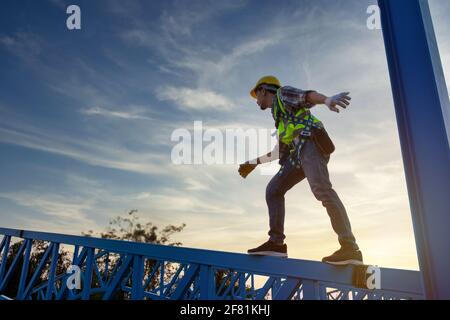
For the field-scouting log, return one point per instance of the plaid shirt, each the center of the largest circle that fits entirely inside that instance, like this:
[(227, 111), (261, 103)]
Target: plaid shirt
[(294, 99)]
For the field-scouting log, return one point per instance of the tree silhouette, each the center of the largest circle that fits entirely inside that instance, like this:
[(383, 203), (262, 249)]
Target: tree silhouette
[(128, 228), (38, 250), (131, 228)]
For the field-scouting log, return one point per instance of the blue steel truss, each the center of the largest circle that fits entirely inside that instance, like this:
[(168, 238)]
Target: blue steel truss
[(112, 269)]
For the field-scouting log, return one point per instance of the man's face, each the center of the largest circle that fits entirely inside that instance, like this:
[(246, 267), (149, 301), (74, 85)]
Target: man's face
[(262, 99)]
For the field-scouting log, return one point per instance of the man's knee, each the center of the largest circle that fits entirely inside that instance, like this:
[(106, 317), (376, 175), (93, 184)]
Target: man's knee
[(323, 192), (273, 191)]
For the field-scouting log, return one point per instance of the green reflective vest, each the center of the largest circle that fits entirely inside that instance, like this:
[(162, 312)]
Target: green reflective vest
[(291, 126)]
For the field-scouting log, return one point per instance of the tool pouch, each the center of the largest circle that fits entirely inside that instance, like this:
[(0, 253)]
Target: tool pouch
[(323, 141)]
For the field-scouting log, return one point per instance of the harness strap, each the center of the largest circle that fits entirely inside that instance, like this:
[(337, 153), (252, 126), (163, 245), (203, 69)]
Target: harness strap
[(299, 141)]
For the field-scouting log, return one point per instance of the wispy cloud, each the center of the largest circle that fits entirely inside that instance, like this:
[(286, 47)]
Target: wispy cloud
[(25, 45), (136, 114), (91, 151), (181, 17), (210, 66), (196, 99), (61, 209)]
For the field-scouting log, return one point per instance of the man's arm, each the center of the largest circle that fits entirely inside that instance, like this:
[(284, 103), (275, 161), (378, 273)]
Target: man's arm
[(294, 99), (269, 157), (341, 99), (314, 97), (246, 168)]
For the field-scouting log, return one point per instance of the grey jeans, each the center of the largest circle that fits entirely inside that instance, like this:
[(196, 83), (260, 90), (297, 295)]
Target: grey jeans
[(314, 169)]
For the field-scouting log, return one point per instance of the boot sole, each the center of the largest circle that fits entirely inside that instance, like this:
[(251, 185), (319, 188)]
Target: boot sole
[(269, 253), (345, 262)]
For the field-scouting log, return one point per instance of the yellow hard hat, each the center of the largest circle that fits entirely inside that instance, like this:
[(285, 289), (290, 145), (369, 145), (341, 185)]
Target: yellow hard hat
[(269, 80)]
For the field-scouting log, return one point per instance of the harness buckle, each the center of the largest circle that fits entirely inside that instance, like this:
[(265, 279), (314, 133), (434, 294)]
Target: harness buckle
[(306, 133)]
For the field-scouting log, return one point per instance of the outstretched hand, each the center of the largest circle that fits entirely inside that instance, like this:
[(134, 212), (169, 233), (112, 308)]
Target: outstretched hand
[(246, 168), (341, 99)]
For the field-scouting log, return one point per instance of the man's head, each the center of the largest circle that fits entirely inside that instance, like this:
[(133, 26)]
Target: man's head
[(264, 91)]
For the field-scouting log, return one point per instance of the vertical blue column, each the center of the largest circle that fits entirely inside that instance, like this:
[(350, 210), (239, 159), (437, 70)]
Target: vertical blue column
[(421, 101)]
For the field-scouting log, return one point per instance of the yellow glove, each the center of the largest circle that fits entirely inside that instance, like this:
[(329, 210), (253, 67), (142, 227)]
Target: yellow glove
[(246, 168)]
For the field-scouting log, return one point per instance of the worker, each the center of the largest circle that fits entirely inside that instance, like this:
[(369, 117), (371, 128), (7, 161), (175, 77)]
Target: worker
[(303, 151)]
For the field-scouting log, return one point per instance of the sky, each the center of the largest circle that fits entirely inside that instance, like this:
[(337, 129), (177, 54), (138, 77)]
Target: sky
[(86, 118)]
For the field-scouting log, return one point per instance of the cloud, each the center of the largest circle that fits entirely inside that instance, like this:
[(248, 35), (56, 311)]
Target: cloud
[(94, 152), (131, 115), (194, 184), (25, 45), (176, 51), (182, 17), (195, 99), (169, 202), (63, 209), (217, 69)]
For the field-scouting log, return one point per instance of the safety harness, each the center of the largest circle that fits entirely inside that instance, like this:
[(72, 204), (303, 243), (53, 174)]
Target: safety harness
[(303, 122)]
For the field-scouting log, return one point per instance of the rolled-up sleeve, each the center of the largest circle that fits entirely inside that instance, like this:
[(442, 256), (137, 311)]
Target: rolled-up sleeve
[(295, 99)]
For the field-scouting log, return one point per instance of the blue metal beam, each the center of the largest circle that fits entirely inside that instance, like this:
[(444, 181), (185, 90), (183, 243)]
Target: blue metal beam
[(398, 280), (52, 272), (311, 290), (265, 289), (24, 273), (207, 283), (13, 265), (116, 281), (5, 247), (196, 274), (288, 289), (138, 274), (87, 281), (24, 295), (421, 99), (185, 282)]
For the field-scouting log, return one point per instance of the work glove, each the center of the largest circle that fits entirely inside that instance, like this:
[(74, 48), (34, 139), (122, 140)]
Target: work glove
[(246, 168), (341, 99)]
